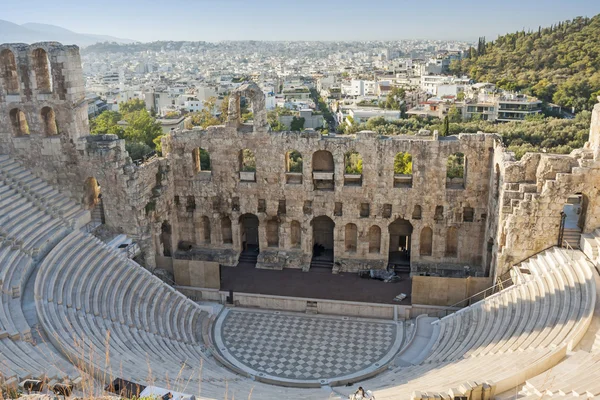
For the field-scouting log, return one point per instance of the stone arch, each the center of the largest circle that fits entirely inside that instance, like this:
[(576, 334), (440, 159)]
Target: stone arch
[(293, 161), (273, 233), (403, 169), (323, 239), (403, 164), (205, 230), (322, 161), (456, 171), (257, 98), (49, 121), (226, 232), (19, 122), (296, 234), (249, 232), (426, 241), (41, 67), (400, 241), (353, 163), (353, 168), (9, 72), (374, 239), (452, 242), (351, 238), (416, 214), (247, 161), (201, 160), (165, 239), (91, 193)]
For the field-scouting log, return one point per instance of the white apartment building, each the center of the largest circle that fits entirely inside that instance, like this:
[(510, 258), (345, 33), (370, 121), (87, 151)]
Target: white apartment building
[(430, 83)]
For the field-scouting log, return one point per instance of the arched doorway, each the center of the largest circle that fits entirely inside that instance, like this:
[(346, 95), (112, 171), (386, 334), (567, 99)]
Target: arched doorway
[(400, 243), (249, 233), (572, 220), (322, 257)]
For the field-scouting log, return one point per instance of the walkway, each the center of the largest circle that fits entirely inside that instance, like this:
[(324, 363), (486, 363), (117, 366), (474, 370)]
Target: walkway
[(300, 348), (317, 284)]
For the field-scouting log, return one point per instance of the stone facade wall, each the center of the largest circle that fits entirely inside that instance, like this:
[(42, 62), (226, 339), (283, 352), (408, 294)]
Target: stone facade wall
[(507, 210), (221, 193)]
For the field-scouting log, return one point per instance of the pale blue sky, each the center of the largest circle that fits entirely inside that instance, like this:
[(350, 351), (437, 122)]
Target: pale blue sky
[(214, 20)]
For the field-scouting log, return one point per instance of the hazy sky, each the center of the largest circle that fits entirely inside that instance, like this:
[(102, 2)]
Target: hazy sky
[(213, 20)]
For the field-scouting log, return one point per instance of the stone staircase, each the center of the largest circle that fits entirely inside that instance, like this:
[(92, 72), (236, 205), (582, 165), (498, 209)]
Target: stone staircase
[(248, 258), (590, 243), (321, 264), (399, 268), (572, 237)]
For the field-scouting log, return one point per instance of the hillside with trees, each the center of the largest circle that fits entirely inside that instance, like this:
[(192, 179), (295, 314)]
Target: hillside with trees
[(558, 64)]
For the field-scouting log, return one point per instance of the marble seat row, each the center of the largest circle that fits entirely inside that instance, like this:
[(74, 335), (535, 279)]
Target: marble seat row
[(22, 180), (104, 310), (505, 339)]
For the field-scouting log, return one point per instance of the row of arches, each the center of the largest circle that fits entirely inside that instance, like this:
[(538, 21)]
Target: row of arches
[(400, 232), (322, 162), (41, 68), (20, 126)]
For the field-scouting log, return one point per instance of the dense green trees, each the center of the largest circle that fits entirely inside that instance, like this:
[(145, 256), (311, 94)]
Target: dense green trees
[(537, 133), (559, 64), (141, 131)]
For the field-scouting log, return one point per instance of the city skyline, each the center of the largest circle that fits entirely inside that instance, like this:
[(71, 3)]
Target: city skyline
[(334, 20)]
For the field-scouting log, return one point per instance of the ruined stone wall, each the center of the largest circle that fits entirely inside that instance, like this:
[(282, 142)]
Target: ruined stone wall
[(42, 84), (220, 193), (535, 190)]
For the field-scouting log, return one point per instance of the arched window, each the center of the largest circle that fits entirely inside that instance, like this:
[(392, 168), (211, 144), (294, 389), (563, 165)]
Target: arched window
[(323, 170), (41, 67), (247, 166), (351, 238), (205, 230), (272, 233), (293, 167), (425, 241), (9, 72), (49, 121), (201, 160), (452, 242), (403, 167), (19, 122), (293, 161), (296, 234), (416, 212), (374, 239), (353, 168), (322, 161), (226, 230), (456, 171)]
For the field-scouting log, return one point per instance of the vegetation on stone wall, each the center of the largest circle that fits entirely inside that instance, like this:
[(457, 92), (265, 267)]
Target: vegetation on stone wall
[(141, 132), (403, 164), (549, 134), (455, 166), (558, 64), (295, 161), (353, 163)]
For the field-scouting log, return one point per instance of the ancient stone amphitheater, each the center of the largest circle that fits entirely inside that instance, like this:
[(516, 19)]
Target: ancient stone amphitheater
[(80, 311)]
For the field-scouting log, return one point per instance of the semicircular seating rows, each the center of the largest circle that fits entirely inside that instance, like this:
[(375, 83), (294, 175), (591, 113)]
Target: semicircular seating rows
[(29, 228), (513, 335), (113, 318)]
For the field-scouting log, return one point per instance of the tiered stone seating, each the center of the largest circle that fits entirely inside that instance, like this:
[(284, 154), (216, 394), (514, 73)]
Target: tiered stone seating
[(507, 338), (103, 309), (28, 230), (43, 195)]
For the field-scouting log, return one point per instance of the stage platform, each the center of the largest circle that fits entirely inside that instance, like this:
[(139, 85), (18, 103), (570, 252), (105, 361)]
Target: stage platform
[(317, 283)]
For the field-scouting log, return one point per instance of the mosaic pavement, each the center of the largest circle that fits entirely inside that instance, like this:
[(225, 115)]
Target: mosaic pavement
[(303, 347)]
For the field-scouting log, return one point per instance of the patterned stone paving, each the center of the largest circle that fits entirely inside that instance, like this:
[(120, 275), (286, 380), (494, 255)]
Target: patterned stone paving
[(304, 347)]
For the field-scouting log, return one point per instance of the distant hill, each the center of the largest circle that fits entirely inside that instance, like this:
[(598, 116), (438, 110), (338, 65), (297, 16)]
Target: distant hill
[(34, 32), (558, 64)]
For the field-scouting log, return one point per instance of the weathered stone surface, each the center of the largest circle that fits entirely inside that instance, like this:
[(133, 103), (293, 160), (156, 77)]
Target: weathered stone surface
[(502, 212)]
